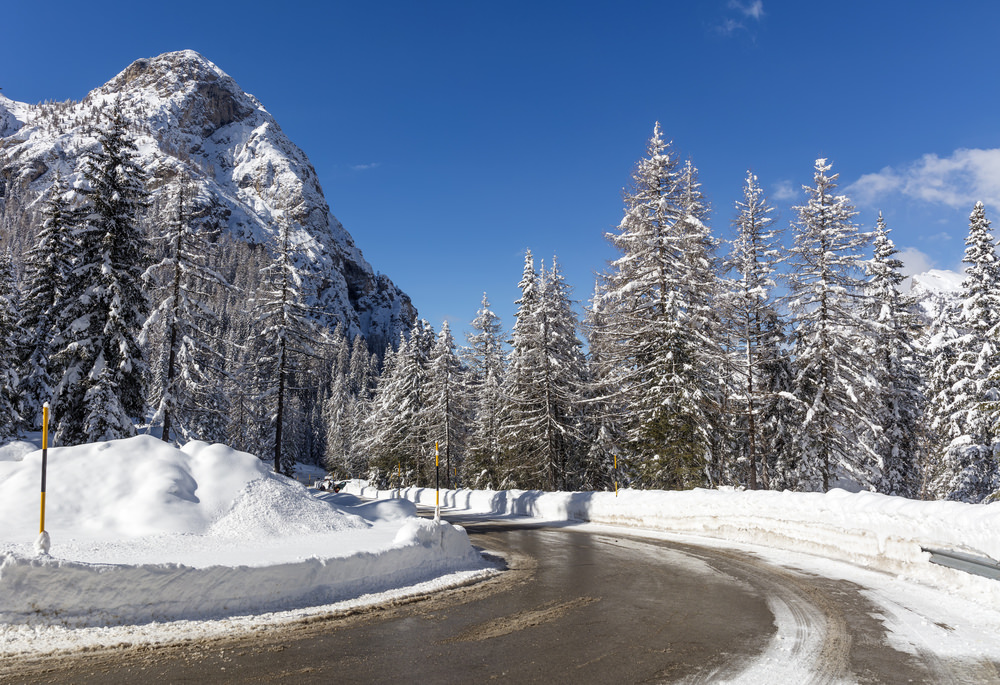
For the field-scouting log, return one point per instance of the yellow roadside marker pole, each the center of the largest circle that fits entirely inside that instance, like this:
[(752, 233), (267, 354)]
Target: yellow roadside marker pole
[(43, 542), (616, 475), (437, 482)]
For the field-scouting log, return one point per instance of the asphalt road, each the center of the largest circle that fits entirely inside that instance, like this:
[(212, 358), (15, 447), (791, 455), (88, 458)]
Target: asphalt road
[(573, 607)]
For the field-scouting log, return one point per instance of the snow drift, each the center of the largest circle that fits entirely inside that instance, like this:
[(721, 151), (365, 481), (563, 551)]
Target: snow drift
[(143, 531)]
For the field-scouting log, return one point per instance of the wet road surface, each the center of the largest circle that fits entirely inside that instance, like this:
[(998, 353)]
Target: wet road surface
[(574, 607)]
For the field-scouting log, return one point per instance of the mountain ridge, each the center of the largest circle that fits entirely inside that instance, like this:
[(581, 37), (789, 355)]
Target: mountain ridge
[(193, 120)]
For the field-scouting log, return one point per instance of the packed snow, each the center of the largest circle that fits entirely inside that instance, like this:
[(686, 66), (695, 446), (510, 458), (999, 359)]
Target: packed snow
[(144, 532)]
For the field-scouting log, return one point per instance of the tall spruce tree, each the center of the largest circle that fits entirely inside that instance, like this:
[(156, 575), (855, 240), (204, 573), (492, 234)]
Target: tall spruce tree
[(286, 334), (100, 395), (447, 403), (897, 398), (832, 371), (10, 333), (46, 270), (486, 361), (660, 328), (396, 429), (753, 261), (545, 383), (187, 393), (969, 468)]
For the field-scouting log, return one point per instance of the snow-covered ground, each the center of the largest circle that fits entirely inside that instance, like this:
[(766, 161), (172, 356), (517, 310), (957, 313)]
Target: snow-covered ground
[(151, 544), (170, 543)]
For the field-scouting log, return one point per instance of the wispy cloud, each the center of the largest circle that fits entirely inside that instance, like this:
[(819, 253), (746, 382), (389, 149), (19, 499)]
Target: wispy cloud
[(785, 191), (959, 180), (747, 10), (753, 9), (366, 167)]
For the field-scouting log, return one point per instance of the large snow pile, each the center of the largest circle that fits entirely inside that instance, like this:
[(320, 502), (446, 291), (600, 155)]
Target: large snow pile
[(880, 532), (142, 531)]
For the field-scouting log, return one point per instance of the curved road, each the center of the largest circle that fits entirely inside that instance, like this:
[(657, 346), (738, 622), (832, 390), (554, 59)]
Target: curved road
[(573, 607)]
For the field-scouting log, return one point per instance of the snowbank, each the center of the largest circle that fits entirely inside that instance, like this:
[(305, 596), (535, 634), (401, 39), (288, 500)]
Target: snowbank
[(866, 529), (142, 531)]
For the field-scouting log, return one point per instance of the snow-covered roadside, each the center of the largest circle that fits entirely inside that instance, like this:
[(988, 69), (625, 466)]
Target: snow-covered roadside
[(143, 532), (865, 529)]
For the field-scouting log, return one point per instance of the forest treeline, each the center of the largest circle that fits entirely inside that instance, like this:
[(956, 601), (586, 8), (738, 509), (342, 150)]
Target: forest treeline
[(757, 362)]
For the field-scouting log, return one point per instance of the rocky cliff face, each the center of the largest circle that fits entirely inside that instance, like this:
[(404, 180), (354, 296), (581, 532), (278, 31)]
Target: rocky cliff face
[(191, 119)]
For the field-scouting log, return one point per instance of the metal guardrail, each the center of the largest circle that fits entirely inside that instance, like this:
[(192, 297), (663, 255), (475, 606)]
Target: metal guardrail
[(970, 563)]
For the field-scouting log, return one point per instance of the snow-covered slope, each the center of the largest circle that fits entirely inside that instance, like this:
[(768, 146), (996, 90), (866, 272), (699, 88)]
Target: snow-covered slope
[(191, 118), (937, 281), (935, 290)]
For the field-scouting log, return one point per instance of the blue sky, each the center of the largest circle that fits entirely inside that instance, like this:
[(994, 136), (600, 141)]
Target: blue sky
[(451, 136)]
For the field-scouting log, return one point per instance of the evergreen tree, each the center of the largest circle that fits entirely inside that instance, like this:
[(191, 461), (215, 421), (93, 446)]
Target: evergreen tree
[(830, 338), (487, 366), (447, 403), (544, 383), (285, 337), (605, 408), (897, 398), (660, 327), (10, 333), (46, 269), (188, 397), (101, 392), (397, 427), (754, 260), (970, 470)]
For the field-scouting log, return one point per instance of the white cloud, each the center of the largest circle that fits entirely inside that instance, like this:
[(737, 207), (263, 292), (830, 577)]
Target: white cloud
[(960, 180), (785, 191), (753, 9), (914, 261), (366, 167), (729, 26)]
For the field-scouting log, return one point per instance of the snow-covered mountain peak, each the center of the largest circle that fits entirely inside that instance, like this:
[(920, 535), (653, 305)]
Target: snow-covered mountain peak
[(190, 119), (938, 281)]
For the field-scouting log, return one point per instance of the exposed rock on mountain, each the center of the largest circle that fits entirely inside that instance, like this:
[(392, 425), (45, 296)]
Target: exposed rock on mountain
[(191, 119)]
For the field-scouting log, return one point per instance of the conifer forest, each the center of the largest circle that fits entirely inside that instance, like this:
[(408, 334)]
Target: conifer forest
[(783, 357)]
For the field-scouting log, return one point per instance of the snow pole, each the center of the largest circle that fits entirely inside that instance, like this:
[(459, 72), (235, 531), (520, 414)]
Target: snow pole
[(616, 475), (43, 542), (437, 482)]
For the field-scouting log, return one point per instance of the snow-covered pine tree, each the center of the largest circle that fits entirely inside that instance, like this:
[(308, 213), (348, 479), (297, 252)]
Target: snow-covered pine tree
[(101, 392), (448, 403), (897, 398), (46, 268), (187, 393), (544, 384), (702, 286), (286, 333), (487, 366), (970, 472), (335, 406), (938, 347), (604, 428), (751, 309), (10, 333), (396, 429), (658, 329), (832, 372)]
